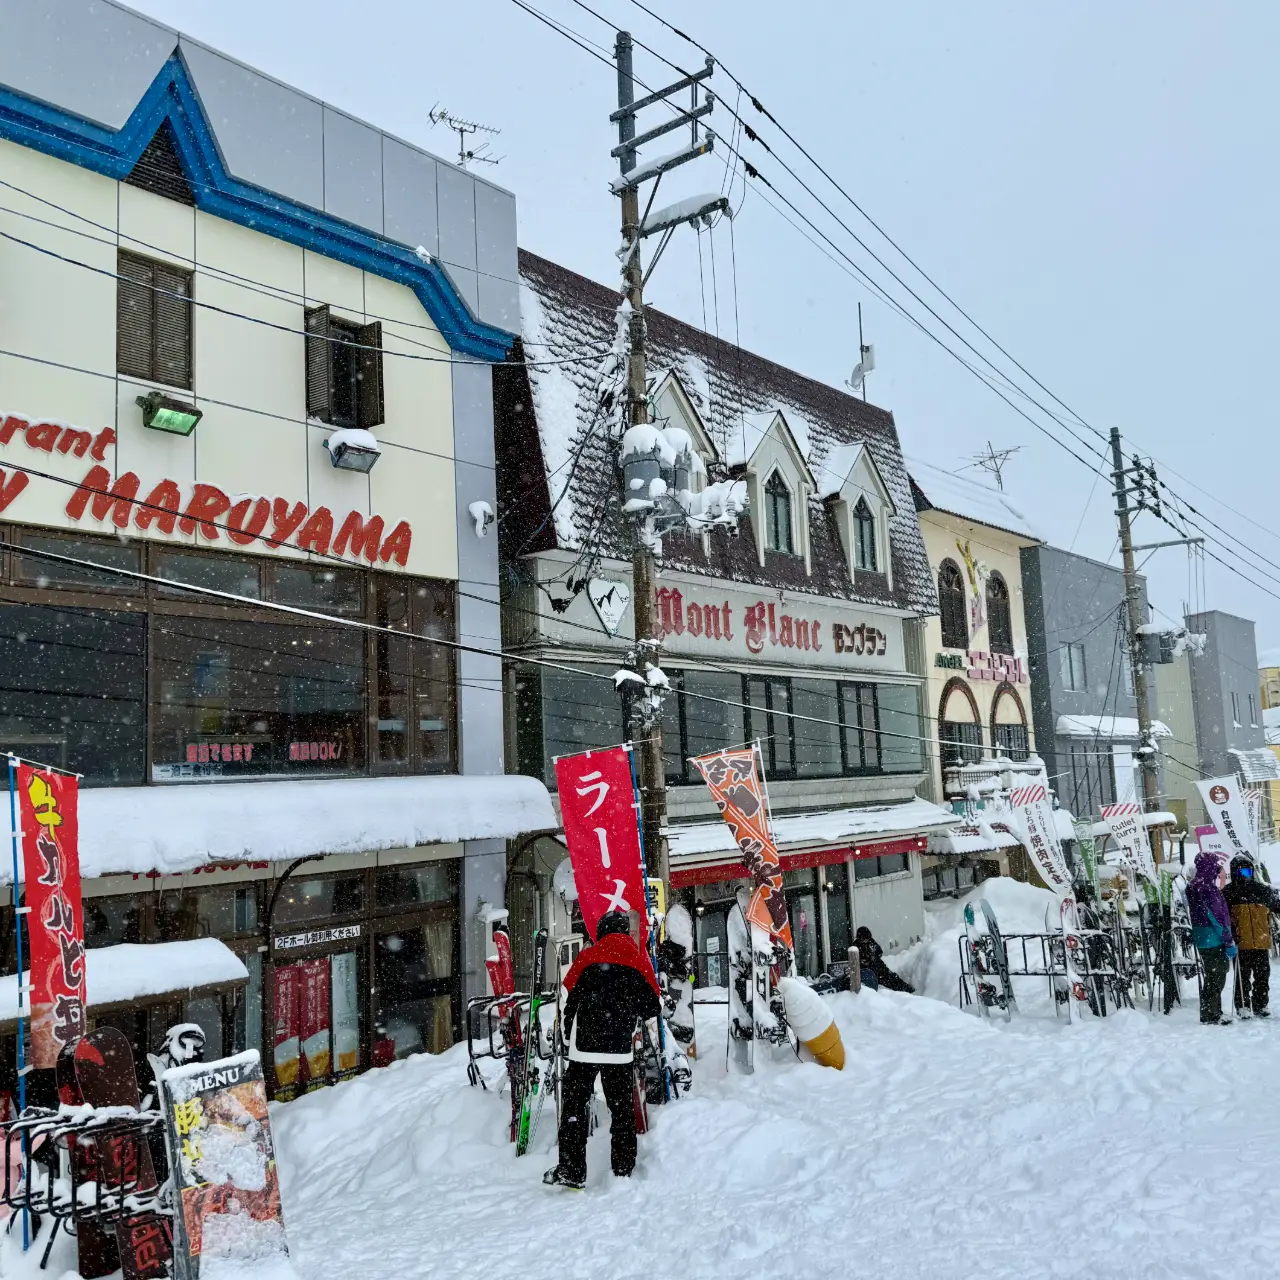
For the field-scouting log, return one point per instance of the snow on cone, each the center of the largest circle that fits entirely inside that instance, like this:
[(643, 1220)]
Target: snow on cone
[(811, 1020)]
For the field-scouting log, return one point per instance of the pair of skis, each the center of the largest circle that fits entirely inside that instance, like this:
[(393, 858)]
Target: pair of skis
[(526, 1108)]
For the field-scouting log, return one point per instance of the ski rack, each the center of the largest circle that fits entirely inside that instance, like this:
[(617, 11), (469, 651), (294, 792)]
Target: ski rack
[(492, 1011), (83, 1166)]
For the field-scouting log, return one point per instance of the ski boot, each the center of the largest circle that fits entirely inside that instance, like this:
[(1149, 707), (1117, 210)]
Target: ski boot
[(555, 1178)]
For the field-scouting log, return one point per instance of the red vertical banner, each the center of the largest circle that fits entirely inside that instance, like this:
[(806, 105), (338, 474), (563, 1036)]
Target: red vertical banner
[(48, 809), (313, 1018), (602, 829), (285, 1032), (734, 780)]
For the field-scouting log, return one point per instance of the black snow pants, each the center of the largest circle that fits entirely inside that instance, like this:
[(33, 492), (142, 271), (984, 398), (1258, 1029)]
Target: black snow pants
[(1254, 987), (575, 1099), (1215, 964)]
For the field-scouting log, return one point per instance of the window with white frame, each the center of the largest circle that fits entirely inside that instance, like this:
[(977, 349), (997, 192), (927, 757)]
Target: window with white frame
[(777, 515), (864, 537), (1071, 657), (1253, 712)]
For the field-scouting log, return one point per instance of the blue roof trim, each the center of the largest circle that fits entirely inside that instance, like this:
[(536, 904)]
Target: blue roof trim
[(172, 98)]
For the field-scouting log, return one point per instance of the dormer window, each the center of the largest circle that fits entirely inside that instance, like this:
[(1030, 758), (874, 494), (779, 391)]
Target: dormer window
[(864, 537), (777, 515)]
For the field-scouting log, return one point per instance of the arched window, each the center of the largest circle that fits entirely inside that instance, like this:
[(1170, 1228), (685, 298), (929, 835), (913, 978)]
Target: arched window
[(1009, 724), (999, 620), (777, 514), (864, 537), (955, 630), (959, 727)]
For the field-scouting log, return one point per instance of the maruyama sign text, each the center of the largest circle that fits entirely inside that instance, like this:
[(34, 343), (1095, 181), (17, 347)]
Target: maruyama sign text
[(167, 508)]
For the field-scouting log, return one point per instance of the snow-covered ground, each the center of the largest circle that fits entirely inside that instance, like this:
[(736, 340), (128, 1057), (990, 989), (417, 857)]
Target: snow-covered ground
[(1132, 1146)]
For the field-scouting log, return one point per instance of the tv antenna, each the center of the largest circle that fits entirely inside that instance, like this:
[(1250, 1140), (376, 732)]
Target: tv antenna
[(464, 128), (993, 461), (866, 362)]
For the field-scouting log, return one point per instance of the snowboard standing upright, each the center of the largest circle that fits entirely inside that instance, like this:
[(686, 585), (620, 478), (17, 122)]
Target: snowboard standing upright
[(106, 1077)]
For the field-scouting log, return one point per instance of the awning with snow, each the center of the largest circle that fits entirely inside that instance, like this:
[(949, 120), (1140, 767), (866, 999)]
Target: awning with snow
[(122, 975), (1256, 764), (179, 827), (1123, 727), (703, 852)]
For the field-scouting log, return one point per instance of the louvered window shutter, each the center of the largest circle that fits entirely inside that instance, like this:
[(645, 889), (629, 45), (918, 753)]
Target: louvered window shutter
[(369, 411), (319, 364), (134, 316), (172, 326)]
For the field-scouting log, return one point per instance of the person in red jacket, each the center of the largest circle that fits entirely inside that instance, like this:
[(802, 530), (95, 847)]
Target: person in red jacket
[(611, 985)]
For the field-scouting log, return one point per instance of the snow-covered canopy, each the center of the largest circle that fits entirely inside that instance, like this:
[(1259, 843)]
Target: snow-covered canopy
[(962, 495), (1123, 727), (1256, 764), (117, 975), (177, 828)]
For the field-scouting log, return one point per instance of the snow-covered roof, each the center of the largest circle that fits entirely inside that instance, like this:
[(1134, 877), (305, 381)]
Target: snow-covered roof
[(1256, 764), (964, 496), (176, 828), (116, 975), (737, 395), (970, 838), (836, 467), (692, 842), (1106, 727), (1271, 726)]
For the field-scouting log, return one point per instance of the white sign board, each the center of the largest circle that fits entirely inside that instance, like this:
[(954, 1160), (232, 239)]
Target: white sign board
[(1225, 804)]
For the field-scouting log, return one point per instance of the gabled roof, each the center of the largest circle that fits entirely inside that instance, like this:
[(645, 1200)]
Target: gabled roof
[(668, 383), (547, 419), (936, 489), (841, 463), (746, 438)]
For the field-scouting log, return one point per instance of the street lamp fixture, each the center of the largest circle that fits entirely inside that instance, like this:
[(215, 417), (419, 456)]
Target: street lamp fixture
[(164, 413), (353, 449)]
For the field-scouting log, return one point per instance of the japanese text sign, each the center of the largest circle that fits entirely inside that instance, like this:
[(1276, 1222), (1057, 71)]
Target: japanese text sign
[(1127, 829), (734, 780), (601, 827), (1225, 804), (1034, 817), (51, 873)]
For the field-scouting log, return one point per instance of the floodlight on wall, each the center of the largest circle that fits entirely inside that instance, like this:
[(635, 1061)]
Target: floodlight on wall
[(163, 413), (353, 449)]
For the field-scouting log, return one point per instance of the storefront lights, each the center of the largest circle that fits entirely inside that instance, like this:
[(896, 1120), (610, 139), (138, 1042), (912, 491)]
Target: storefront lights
[(164, 413), (353, 450)]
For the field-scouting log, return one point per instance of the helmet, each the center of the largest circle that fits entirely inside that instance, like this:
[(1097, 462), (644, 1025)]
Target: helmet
[(613, 922), (184, 1042)]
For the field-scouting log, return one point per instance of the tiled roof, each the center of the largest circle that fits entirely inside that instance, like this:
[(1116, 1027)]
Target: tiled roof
[(565, 314)]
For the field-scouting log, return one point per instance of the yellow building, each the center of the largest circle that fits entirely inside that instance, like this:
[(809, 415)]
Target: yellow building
[(1269, 683)]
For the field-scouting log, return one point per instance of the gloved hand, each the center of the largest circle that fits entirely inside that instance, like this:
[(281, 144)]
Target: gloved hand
[(1232, 951)]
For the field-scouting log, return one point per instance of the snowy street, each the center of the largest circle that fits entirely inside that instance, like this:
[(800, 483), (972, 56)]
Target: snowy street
[(948, 1147)]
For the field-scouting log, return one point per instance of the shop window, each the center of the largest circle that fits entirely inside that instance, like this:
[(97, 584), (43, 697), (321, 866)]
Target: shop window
[(864, 537), (885, 864), (578, 713), (898, 711), (220, 911), (153, 321), (1011, 741), (817, 737), (316, 1033), (207, 1013), (33, 569), (861, 735), (777, 515), (301, 900), (110, 921), (800, 888), (245, 699), (333, 591), (768, 718), (247, 1019), (72, 685), (414, 988), (217, 573), (961, 742), (955, 626), (839, 924), (411, 886), (711, 726), (344, 370), (999, 619)]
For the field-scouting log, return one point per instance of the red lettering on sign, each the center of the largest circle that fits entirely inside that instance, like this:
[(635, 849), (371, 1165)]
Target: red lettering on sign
[(397, 545), (802, 635), (773, 627), (284, 521), (813, 632), (101, 441), (694, 617), (786, 632), (208, 502), (317, 533), (365, 538), (755, 621), (160, 508), (240, 533), (43, 436), (72, 439), (11, 425), (10, 488), (117, 499)]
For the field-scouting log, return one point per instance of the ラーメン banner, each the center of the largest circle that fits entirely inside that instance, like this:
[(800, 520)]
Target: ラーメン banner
[(1030, 805), (1224, 801), (49, 816), (1127, 829), (734, 780), (600, 812)]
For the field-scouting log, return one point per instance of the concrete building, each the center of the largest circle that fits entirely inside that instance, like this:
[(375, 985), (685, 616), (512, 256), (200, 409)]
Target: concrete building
[(248, 347)]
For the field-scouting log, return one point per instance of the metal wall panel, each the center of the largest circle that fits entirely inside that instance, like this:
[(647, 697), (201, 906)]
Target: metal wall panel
[(466, 283), (352, 171), (85, 56), (409, 196), (269, 134), (499, 303), (456, 203), (495, 232)]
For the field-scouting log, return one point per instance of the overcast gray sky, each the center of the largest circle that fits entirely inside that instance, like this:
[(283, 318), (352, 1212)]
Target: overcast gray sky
[(1094, 183)]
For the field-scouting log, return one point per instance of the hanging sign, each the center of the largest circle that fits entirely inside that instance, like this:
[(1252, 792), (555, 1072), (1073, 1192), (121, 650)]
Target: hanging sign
[(1033, 816), (1209, 841), (600, 812), (313, 1019), (48, 808), (1224, 801), (1127, 829), (734, 780), (285, 1032), (223, 1165)]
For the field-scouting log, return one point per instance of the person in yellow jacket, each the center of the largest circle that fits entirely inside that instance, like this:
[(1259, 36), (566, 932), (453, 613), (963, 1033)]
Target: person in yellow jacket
[(1251, 901)]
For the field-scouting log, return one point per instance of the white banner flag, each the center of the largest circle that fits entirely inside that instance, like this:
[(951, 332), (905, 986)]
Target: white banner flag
[(1224, 800), (1032, 813), (1130, 834)]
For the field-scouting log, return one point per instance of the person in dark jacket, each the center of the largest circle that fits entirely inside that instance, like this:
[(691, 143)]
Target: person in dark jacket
[(611, 985), (1211, 933), (875, 973), (1251, 901)]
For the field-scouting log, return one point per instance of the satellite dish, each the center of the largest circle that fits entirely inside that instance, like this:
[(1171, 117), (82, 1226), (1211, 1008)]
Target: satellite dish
[(562, 881)]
